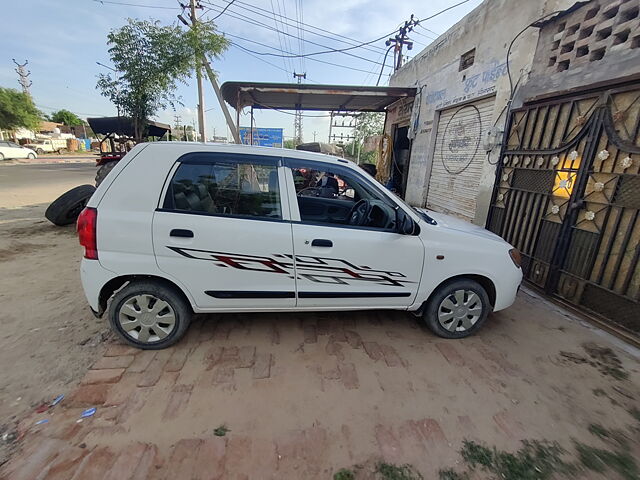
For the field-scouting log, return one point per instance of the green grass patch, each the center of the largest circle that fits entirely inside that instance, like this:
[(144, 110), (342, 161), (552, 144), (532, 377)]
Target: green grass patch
[(344, 474), (450, 474), (536, 460), (600, 460), (389, 471), (221, 431)]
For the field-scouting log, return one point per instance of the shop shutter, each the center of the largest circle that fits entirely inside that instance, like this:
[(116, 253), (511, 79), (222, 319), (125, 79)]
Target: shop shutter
[(459, 158)]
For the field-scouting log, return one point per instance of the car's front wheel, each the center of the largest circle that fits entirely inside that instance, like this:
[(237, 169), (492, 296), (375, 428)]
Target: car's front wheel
[(457, 309), (39, 151), (31, 156), (149, 315)]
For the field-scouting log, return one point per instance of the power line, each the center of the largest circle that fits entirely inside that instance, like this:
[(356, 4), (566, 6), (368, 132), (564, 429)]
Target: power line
[(442, 11), (159, 7), (223, 10), (274, 48), (332, 35), (284, 60), (287, 34)]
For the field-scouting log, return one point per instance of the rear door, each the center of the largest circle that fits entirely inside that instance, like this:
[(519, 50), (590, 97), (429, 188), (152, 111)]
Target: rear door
[(223, 230), (339, 265)]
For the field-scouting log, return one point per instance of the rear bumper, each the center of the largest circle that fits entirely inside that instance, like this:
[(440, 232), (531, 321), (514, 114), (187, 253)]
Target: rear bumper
[(94, 276)]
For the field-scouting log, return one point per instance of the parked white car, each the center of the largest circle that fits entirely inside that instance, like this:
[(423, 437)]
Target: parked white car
[(13, 150), (178, 228)]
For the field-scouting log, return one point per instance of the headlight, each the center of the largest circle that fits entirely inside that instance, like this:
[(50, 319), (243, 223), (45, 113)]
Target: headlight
[(515, 255)]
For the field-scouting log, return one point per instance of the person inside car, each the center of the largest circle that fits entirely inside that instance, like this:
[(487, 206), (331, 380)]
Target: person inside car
[(328, 186)]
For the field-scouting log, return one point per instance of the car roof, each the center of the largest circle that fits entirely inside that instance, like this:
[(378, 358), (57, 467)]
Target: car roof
[(254, 150)]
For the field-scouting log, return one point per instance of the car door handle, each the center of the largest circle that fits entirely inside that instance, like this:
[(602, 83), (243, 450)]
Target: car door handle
[(321, 242), (179, 232)]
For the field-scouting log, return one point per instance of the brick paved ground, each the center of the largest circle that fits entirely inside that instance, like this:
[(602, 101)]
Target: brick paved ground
[(304, 395)]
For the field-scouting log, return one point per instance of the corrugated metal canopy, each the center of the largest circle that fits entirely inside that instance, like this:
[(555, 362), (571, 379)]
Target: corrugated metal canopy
[(291, 96)]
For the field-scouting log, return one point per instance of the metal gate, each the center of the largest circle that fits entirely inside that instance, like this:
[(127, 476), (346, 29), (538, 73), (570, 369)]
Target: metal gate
[(567, 194)]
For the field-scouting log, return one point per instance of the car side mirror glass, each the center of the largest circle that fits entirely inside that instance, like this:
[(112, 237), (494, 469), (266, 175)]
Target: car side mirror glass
[(404, 223)]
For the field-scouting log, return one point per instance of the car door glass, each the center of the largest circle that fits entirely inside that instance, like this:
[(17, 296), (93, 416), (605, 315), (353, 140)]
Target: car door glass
[(329, 196), (225, 188)]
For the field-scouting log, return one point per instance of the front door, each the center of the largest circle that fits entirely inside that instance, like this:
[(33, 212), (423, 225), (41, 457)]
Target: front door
[(342, 265), (223, 232)]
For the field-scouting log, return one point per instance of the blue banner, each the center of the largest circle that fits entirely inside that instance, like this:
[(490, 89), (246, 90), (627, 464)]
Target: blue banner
[(263, 137)]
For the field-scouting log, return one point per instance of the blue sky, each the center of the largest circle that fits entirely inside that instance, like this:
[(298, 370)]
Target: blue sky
[(64, 39)]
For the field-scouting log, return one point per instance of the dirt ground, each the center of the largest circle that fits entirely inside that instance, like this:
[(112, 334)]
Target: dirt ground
[(301, 396), (48, 338)]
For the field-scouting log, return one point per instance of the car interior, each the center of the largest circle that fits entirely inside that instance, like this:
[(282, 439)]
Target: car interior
[(325, 197), (225, 189), (252, 190)]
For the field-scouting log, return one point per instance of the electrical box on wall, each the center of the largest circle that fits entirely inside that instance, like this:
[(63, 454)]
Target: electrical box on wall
[(492, 138)]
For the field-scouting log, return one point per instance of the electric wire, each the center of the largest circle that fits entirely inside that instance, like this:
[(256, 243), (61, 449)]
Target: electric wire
[(159, 7), (329, 49), (291, 71), (223, 10)]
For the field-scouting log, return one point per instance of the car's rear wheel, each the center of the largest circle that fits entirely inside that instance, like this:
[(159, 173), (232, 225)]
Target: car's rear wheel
[(457, 309), (149, 315), (31, 156), (1, 156), (39, 151)]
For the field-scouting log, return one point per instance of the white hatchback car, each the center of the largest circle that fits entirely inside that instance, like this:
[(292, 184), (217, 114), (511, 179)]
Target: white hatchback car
[(13, 150), (178, 228)]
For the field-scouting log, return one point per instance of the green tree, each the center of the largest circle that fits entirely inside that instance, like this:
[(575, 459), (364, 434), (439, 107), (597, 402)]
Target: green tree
[(291, 143), (368, 125), (66, 117), (17, 110), (150, 59)]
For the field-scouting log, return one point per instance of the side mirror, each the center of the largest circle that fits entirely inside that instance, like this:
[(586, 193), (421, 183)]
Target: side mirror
[(404, 223)]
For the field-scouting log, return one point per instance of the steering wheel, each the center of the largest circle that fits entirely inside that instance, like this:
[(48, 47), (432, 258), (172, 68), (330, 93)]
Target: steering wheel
[(309, 192), (359, 214)]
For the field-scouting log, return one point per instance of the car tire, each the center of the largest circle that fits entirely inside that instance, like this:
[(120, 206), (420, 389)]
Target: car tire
[(66, 208), (31, 156), (1, 156), (103, 171), (457, 309), (131, 327), (39, 151)]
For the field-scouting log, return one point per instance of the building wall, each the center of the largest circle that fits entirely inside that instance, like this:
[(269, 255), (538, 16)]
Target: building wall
[(436, 73), (598, 43)]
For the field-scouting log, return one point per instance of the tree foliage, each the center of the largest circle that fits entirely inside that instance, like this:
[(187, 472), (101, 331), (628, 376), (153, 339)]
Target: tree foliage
[(17, 110), (66, 117), (150, 59), (290, 143), (369, 124)]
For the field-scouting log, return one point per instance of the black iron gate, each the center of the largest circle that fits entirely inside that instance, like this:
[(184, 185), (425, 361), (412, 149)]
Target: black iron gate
[(567, 195)]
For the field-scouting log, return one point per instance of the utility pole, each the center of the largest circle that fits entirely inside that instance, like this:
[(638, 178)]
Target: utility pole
[(400, 40), (214, 83), (194, 21), (23, 75), (297, 121)]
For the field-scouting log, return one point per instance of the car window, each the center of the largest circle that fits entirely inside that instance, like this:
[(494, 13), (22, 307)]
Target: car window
[(14, 145), (225, 188), (327, 195), (4, 144)]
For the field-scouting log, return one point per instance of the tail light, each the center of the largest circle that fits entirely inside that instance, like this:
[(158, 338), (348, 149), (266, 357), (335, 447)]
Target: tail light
[(87, 223), (515, 255)]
